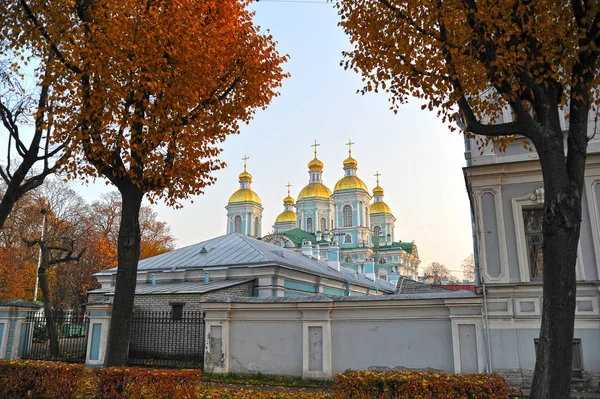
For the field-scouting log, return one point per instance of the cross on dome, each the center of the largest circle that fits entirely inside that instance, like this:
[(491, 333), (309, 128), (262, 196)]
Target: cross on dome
[(288, 187), (315, 145), (349, 144), (377, 174), (246, 157)]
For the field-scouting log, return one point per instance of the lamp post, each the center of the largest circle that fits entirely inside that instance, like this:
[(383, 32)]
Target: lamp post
[(37, 280)]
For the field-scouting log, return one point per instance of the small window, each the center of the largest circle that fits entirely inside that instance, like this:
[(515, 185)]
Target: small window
[(323, 225), (347, 215), (347, 239), (377, 231), (576, 364), (256, 227), (237, 224), (533, 220), (309, 225), (177, 311)]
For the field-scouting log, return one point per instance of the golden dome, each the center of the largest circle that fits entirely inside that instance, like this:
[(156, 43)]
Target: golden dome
[(378, 190), (286, 217), (350, 183), (245, 176), (315, 164), (379, 207), (288, 200), (350, 162), (244, 195), (314, 190)]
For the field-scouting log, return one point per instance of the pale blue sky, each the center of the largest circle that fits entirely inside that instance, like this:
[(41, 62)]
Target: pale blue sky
[(419, 159)]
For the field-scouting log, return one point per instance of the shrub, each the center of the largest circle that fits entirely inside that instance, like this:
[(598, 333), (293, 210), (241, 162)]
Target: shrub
[(41, 380), (388, 385), (135, 382)]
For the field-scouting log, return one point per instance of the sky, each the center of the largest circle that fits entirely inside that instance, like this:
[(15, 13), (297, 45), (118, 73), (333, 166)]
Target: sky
[(419, 159)]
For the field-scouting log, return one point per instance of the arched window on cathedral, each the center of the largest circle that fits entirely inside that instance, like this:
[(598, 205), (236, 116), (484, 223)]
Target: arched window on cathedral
[(377, 231), (347, 239), (237, 224), (347, 215), (323, 225), (309, 225), (256, 227)]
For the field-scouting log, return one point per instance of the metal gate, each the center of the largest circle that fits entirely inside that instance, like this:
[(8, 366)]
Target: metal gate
[(167, 339), (70, 332)]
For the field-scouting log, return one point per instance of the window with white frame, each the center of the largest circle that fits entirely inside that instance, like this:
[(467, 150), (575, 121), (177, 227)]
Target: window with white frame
[(309, 225), (237, 224), (347, 239), (532, 222), (377, 231), (347, 215), (383, 274), (323, 225)]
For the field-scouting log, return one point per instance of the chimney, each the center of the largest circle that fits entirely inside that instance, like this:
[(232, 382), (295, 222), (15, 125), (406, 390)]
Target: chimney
[(370, 269), (319, 236), (307, 249), (326, 236), (316, 253), (333, 257)]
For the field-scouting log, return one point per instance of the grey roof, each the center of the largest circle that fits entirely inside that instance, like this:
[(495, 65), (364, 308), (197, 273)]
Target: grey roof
[(409, 286), (23, 303), (235, 250), (183, 287), (354, 298)]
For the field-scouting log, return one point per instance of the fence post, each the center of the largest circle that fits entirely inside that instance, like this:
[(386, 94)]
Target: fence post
[(15, 332), (216, 333), (99, 314)]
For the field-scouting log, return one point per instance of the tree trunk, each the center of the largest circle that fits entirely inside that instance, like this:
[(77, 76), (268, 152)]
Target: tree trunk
[(13, 192), (128, 257), (562, 220), (49, 313)]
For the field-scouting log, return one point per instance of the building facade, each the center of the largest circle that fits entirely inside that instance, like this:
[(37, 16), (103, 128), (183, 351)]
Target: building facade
[(506, 192)]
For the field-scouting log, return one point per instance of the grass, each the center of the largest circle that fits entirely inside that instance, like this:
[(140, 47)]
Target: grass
[(265, 379)]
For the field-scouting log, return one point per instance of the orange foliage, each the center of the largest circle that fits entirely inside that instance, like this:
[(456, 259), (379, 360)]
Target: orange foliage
[(17, 278)]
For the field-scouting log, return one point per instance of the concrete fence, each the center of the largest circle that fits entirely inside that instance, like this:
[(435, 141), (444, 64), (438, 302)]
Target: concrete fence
[(318, 337)]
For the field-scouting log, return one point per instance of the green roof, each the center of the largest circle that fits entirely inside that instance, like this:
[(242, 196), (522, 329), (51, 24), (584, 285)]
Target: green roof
[(297, 235), (407, 246)]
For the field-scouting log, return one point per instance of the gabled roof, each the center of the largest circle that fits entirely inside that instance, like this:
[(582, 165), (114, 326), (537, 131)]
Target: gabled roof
[(297, 235), (235, 250)]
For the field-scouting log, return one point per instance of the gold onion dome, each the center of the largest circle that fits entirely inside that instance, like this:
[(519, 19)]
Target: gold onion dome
[(244, 195), (378, 190), (286, 217), (312, 190), (350, 183), (315, 164), (245, 176), (350, 162), (379, 207), (288, 200)]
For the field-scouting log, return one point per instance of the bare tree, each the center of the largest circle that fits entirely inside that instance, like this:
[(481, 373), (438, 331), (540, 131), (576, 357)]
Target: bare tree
[(468, 268), (438, 272)]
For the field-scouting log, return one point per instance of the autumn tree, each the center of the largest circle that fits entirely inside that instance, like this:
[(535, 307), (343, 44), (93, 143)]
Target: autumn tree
[(156, 85), (469, 59), (438, 272), (468, 268)]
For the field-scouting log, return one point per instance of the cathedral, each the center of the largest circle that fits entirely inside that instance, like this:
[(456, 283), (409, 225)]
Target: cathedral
[(360, 224)]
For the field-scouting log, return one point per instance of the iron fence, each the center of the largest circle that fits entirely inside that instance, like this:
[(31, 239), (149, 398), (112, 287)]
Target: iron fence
[(167, 339), (59, 336)]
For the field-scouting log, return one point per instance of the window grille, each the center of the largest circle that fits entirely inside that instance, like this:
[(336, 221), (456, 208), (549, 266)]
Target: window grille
[(237, 224), (347, 215), (533, 220)]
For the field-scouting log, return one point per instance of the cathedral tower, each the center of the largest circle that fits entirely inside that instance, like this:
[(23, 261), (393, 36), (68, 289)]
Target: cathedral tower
[(244, 210), (382, 219), (351, 204), (286, 219), (314, 206)]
